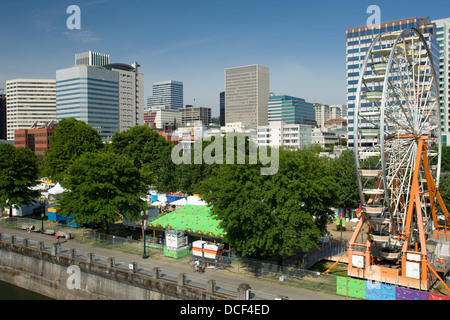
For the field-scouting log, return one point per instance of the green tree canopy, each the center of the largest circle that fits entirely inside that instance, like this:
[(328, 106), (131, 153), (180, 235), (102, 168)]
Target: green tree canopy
[(102, 186), (145, 148), (345, 172), (18, 173), (71, 139), (273, 214)]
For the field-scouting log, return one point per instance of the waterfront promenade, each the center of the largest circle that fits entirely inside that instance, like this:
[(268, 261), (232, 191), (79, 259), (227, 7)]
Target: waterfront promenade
[(262, 288)]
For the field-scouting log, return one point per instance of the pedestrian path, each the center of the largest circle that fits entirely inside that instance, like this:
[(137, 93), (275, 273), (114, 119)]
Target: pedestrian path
[(228, 283)]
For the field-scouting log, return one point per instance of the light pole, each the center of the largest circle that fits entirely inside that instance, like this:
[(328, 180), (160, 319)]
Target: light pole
[(42, 214), (144, 222)]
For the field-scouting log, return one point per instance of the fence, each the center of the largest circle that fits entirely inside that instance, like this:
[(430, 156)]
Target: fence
[(293, 273)]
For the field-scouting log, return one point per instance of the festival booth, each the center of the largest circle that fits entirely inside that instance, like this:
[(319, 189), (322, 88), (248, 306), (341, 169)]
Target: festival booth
[(55, 193), (189, 220)]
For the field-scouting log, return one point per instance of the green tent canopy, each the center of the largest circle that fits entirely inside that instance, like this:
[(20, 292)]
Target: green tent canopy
[(190, 218)]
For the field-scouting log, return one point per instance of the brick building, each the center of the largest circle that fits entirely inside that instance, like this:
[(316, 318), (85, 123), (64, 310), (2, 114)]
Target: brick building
[(37, 140)]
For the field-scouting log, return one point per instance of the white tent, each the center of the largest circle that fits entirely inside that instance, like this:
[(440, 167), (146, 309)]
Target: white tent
[(196, 201), (179, 202), (56, 191)]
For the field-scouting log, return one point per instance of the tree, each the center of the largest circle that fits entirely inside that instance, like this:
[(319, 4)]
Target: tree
[(102, 186), (145, 148), (18, 173), (71, 139), (273, 214), (347, 192)]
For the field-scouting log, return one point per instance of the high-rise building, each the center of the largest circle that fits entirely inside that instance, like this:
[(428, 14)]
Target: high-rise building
[(91, 58), (222, 108), (247, 93), (291, 110), (29, 103), (131, 95), (168, 93), (90, 94), (443, 39), (195, 114), (338, 111), (2, 116), (322, 113), (358, 41)]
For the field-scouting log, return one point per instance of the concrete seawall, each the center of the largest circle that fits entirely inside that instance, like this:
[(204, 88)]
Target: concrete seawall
[(54, 275)]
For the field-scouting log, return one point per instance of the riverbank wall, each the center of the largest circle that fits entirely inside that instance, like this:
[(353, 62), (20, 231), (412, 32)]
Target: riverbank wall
[(66, 277)]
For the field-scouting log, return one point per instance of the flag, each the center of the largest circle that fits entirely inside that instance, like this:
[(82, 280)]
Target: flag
[(358, 212), (340, 216)]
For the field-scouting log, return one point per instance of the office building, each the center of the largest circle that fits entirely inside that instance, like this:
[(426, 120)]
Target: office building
[(90, 94), (222, 108), (158, 118), (196, 114), (358, 41), (338, 111), (29, 103), (279, 133), (131, 94), (247, 94), (324, 138), (91, 58), (321, 113), (291, 110), (443, 39), (37, 140), (168, 93), (2, 116)]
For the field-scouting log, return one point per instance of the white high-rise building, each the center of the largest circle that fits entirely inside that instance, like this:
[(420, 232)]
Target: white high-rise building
[(29, 102), (322, 112), (358, 41), (91, 58), (168, 93), (131, 95), (247, 94), (443, 39)]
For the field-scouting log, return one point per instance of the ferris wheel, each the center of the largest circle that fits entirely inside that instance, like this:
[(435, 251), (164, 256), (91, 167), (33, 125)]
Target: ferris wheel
[(397, 144)]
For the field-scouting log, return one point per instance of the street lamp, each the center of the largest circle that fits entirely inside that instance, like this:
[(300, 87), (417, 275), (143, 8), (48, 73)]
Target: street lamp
[(42, 202), (144, 222)]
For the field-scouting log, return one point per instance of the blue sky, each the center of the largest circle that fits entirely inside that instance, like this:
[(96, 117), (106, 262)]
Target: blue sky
[(193, 41)]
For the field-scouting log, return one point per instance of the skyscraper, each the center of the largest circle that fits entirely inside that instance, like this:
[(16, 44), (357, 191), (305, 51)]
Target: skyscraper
[(247, 93), (131, 95), (91, 58), (90, 94), (167, 93), (29, 102), (222, 108), (291, 110), (358, 41), (322, 113), (443, 39), (2, 116)]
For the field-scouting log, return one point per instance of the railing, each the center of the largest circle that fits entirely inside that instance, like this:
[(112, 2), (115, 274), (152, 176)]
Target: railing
[(103, 260), (293, 273)]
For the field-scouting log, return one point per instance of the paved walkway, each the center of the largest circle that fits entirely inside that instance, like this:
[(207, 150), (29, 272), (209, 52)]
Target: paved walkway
[(271, 289)]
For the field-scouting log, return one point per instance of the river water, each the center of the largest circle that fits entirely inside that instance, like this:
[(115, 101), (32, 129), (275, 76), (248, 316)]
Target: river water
[(12, 292)]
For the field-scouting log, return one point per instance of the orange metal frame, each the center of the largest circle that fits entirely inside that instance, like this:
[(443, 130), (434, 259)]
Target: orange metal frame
[(371, 269)]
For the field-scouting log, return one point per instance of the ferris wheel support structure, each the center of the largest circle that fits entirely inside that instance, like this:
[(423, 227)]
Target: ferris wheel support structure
[(397, 159)]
